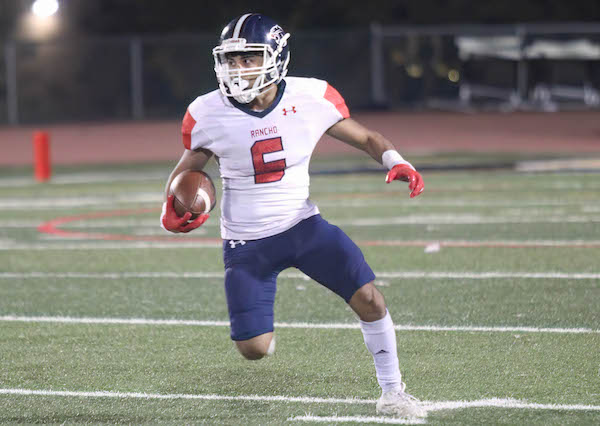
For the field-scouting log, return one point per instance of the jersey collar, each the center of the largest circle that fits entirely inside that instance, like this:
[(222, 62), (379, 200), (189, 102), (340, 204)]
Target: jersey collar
[(261, 114)]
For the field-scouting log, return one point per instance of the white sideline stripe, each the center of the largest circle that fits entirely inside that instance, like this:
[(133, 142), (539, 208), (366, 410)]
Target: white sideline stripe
[(429, 405), (357, 419), (301, 325), (400, 274)]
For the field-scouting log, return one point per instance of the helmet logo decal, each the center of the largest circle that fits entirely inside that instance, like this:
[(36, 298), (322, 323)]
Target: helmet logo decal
[(276, 33)]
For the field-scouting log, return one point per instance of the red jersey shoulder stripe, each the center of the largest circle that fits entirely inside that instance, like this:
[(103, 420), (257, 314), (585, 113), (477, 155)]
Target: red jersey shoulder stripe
[(186, 129), (336, 99)]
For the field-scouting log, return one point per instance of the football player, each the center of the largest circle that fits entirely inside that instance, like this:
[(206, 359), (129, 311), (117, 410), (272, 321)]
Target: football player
[(262, 127)]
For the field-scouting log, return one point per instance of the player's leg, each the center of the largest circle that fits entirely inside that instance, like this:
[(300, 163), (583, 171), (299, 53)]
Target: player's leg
[(257, 347), (250, 304), (380, 338), (368, 303), (251, 271), (333, 260)]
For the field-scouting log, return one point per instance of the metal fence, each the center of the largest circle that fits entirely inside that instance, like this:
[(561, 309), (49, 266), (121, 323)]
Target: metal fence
[(530, 67), (544, 67)]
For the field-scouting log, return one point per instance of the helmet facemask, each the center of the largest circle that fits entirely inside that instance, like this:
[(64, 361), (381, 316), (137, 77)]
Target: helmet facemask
[(234, 83)]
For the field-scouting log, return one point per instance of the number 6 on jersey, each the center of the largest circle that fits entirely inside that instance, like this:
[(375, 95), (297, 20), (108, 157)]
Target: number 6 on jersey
[(267, 171)]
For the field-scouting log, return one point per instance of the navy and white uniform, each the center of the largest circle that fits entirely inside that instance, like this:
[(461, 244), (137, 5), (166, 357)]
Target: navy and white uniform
[(268, 222)]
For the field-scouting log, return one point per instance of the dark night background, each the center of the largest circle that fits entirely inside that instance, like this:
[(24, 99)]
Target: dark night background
[(93, 66), (183, 16)]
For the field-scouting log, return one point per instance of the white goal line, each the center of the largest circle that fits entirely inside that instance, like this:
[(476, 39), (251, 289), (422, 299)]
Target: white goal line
[(302, 325)]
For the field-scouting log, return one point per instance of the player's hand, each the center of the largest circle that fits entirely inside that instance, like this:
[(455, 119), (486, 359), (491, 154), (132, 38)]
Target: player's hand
[(169, 220), (199, 221), (407, 174)]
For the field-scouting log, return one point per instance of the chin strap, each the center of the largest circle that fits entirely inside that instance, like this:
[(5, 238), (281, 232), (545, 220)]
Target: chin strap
[(246, 98), (238, 84)]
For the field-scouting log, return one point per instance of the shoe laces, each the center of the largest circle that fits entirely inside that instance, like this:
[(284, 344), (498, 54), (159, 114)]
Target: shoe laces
[(399, 390)]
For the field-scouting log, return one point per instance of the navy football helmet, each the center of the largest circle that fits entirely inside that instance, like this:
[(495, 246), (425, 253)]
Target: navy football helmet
[(258, 34)]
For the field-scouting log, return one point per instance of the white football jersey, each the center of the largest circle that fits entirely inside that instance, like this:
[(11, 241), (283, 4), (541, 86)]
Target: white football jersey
[(264, 156)]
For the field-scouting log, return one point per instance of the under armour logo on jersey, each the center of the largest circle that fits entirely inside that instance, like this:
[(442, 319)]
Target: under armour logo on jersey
[(293, 110), (235, 243)]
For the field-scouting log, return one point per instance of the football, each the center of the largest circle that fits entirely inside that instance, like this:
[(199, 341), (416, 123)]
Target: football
[(194, 192)]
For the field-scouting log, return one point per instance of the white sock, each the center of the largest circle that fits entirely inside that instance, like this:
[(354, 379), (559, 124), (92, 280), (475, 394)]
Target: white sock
[(271, 349), (380, 338)]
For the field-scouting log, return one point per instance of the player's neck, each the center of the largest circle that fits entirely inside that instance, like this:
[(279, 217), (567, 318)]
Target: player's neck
[(265, 99)]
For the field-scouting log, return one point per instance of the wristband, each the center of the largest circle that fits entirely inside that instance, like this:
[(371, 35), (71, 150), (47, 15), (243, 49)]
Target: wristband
[(391, 158)]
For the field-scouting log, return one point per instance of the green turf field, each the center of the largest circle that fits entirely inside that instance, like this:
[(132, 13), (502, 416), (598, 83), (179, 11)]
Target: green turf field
[(491, 277)]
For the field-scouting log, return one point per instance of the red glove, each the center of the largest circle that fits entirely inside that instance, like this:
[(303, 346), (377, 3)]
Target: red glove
[(169, 220), (407, 174)]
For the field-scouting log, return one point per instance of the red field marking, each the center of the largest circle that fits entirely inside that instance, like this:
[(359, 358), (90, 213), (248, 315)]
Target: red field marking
[(52, 227)]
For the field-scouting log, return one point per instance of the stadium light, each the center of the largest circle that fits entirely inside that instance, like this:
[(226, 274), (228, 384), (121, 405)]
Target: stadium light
[(44, 8), (42, 22), (453, 75)]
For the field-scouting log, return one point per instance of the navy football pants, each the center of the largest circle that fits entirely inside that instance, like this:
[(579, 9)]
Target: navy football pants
[(320, 250)]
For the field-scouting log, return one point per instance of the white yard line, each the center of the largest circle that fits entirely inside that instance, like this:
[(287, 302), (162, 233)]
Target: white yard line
[(449, 186), (85, 178), (58, 202), (440, 219), (180, 242), (300, 325), (71, 202), (429, 405), (380, 274), (101, 245), (462, 220), (489, 275), (112, 275), (209, 397), (505, 403), (357, 419)]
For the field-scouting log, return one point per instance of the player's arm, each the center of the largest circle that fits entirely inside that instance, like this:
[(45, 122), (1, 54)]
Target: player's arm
[(169, 221), (190, 160), (382, 151)]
